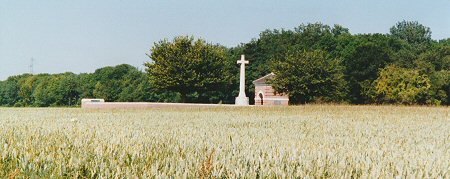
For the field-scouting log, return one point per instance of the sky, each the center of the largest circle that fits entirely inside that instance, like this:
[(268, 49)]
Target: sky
[(83, 35)]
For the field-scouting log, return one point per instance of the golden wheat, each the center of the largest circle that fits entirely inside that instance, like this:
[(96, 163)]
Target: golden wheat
[(284, 142)]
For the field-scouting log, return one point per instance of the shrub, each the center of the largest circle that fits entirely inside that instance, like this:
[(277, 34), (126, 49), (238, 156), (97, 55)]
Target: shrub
[(402, 86)]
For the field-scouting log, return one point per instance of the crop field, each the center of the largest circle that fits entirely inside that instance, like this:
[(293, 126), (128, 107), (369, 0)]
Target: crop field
[(226, 142)]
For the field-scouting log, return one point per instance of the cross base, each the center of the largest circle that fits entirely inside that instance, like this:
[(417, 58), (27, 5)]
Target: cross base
[(241, 101)]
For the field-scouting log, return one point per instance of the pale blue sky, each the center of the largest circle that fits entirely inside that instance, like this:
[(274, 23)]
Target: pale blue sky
[(83, 35)]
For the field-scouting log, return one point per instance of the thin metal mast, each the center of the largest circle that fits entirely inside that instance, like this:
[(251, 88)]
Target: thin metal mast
[(32, 66)]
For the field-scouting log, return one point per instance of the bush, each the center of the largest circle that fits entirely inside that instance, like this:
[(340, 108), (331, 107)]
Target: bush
[(402, 86)]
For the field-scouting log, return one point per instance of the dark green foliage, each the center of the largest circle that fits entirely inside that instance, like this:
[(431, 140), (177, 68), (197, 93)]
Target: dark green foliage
[(438, 56), (412, 32), (310, 76), (119, 83), (56, 90), (10, 90), (43, 93), (87, 85), (108, 81), (193, 68), (440, 86), (272, 45), (362, 57), (136, 87)]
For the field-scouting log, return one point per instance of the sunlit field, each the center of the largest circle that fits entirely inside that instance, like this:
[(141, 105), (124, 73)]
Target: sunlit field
[(285, 142)]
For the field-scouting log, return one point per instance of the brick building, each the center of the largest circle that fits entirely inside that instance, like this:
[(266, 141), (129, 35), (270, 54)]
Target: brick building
[(265, 94)]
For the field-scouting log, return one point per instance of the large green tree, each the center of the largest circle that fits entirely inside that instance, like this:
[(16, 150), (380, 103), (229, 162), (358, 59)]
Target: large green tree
[(310, 76), (188, 67)]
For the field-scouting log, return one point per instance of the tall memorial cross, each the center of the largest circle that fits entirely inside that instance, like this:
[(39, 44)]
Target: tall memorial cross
[(242, 99)]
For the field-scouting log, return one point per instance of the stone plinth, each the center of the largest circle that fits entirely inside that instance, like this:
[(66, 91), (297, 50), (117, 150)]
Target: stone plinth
[(241, 101)]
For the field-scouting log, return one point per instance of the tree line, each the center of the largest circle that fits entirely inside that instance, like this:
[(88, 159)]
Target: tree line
[(118, 83), (313, 63)]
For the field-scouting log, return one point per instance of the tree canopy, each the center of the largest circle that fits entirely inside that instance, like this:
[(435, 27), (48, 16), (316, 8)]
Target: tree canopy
[(119, 83), (310, 76), (400, 85), (412, 32), (188, 67)]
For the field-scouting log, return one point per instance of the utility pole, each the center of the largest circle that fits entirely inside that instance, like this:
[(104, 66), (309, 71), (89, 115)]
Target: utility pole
[(32, 65)]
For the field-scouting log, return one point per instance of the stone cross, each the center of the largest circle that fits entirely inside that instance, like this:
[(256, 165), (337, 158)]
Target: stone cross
[(242, 99)]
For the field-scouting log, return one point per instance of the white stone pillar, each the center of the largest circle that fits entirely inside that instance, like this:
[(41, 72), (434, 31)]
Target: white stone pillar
[(242, 99)]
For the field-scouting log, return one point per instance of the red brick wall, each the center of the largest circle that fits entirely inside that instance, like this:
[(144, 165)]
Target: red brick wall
[(270, 98)]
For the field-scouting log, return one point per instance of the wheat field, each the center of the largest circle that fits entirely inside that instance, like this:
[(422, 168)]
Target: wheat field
[(326, 141)]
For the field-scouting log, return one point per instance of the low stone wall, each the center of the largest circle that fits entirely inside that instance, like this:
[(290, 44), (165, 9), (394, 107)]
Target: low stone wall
[(141, 105)]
